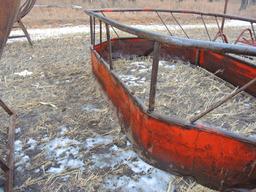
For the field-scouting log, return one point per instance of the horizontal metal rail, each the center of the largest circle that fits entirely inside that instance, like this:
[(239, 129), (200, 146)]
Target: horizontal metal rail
[(184, 42), (174, 11)]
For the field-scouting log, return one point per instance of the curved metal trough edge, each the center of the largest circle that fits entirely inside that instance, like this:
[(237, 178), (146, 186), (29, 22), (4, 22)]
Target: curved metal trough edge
[(178, 146)]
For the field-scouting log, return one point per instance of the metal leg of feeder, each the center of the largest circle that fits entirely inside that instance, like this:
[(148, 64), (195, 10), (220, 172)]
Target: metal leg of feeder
[(23, 28), (100, 31), (152, 93), (109, 47), (91, 29), (253, 30), (94, 35), (8, 165), (10, 156)]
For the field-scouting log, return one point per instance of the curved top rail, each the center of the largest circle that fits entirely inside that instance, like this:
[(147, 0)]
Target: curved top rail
[(214, 46), (175, 11), (25, 8)]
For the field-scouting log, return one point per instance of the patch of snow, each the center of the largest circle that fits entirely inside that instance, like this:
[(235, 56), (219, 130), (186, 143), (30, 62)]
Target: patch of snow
[(151, 179), (112, 159), (98, 140), (24, 73), (131, 80), (167, 65), (144, 176), (18, 130), (21, 159), (1, 189), (32, 144), (90, 108), (252, 136), (139, 166), (64, 151), (76, 7), (63, 130), (39, 34), (56, 170), (153, 182), (17, 146)]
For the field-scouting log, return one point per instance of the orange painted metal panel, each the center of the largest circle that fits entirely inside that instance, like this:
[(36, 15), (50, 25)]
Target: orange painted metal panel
[(214, 157)]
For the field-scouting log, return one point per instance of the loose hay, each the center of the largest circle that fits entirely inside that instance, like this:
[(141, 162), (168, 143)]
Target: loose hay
[(184, 90)]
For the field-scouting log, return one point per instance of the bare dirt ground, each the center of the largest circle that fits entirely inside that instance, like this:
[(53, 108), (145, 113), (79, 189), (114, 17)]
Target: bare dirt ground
[(62, 13)]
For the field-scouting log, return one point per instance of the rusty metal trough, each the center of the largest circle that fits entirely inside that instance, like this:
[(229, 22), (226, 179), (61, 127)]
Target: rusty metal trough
[(216, 158)]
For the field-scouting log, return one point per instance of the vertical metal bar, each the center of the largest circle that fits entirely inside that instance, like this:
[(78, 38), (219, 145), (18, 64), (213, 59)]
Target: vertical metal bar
[(100, 31), (154, 71), (109, 47), (197, 59), (206, 28), (10, 156), (94, 35), (111, 26), (91, 32), (223, 19), (179, 25), (163, 23), (253, 30)]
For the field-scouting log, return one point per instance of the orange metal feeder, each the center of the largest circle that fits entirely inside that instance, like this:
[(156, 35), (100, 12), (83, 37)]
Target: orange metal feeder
[(216, 158)]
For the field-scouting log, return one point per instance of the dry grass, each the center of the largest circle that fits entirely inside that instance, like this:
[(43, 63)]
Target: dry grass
[(61, 92), (62, 16), (52, 97), (184, 90)]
